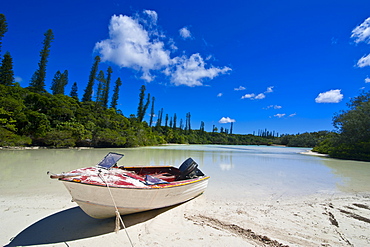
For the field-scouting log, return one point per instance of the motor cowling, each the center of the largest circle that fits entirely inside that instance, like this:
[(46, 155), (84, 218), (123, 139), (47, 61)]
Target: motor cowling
[(189, 169)]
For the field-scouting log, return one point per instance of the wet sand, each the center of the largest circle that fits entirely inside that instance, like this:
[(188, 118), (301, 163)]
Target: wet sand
[(40, 213)]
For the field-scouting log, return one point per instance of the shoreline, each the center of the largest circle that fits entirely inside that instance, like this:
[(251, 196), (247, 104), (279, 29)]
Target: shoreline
[(309, 152)]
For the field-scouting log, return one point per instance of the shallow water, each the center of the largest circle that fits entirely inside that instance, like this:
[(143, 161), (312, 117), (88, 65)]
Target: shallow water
[(236, 171)]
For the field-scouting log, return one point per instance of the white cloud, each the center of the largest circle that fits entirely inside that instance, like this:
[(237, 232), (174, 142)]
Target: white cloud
[(362, 32), (152, 14), (280, 115), (274, 106), (191, 71), (130, 46), (226, 120), (18, 79), (252, 96), (269, 89), (185, 33), (135, 43), (219, 95), (367, 80), (364, 61), (332, 96), (248, 96), (240, 88), (260, 96)]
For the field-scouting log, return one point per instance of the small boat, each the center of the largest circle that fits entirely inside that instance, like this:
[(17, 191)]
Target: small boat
[(103, 189)]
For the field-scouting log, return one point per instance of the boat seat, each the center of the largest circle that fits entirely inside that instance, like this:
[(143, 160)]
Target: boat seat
[(165, 176)]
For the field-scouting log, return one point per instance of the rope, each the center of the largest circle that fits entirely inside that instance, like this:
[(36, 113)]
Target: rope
[(118, 215)]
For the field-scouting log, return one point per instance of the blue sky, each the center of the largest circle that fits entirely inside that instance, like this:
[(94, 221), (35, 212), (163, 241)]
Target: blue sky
[(287, 66)]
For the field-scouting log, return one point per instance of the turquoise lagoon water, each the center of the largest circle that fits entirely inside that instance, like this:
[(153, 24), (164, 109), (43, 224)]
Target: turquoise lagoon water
[(236, 171)]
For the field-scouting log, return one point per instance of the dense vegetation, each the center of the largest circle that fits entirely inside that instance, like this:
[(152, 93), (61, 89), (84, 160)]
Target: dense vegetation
[(43, 119), (352, 141)]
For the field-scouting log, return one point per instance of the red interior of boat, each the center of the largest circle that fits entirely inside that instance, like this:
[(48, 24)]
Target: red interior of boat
[(165, 173)]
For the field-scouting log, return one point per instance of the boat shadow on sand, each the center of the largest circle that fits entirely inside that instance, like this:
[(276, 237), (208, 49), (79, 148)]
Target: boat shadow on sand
[(73, 224)]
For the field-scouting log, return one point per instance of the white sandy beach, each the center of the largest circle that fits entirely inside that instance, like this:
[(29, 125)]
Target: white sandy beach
[(322, 220)]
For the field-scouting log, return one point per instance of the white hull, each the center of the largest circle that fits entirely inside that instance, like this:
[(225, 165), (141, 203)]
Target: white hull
[(97, 202)]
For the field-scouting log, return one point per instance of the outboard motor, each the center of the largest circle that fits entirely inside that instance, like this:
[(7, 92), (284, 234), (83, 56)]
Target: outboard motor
[(189, 169)]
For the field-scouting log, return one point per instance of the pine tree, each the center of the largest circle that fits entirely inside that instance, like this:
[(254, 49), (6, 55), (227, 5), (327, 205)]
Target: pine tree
[(166, 121), (141, 109), (101, 85), (90, 84), (3, 28), (159, 120), (105, 93), (56, 83), (64, 81), (118, 83), (152, 113), (59, 82), (187, 124), (74, 90), (181, 124), (201, 126), (38, 79), (174, 121), (6, 70)]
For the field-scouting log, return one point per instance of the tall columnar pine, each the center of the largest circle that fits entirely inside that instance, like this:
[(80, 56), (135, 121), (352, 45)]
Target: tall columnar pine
[(6, 70), (115, 96), (90, 84), (3, 28), (64, 81), (56, 83), (101, 85), (38, 79), (146, 104), (152, 112), (201, 126), (187, 124), (159, 120), (59, 82), (166, 121), (74, 90), (141, 109), (174, 121), (105, 92), (181, 125)]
